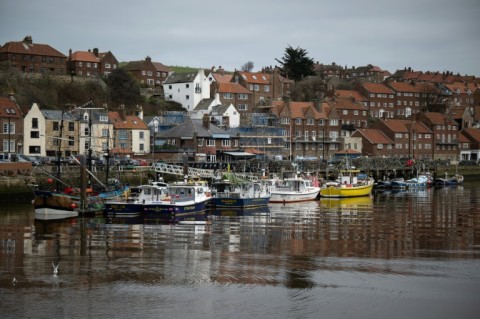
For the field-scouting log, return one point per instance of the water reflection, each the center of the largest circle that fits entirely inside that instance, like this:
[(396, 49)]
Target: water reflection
[(291, 259)]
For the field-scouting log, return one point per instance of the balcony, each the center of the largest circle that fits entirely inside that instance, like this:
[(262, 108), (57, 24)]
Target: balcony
[(444, 141)]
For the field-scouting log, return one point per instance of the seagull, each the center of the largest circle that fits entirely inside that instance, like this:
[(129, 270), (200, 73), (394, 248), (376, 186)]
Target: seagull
[(55, 268), (14, 281)]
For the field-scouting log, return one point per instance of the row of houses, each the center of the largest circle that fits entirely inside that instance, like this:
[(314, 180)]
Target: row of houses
[(224, 111), (294, 130)]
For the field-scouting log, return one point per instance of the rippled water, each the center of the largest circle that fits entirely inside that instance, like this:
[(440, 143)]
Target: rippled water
[(396, 255)]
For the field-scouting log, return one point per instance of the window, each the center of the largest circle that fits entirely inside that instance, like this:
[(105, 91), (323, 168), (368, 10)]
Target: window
[(34, 122), (242, 96), (34, 149), (149, 73), (108, 66), (210, 142), (104, 118), (187, 85), (242, 107), (187, 97), (34, 134), (228, 96), (122, 134), (141, 135), (345, 112), (380, 146), (71, 126), (123, 145), (87, 132), (142, 147), (6, 128), (105, 132), (71, 141), (310, 121), (226, 143), (298, 121), (266, 88), (256, 87), (200, 142), (6, 146), (104, 146)]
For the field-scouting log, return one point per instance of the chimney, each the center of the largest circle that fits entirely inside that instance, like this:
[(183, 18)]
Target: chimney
[(95, 51), (148, 59), (206, 121), (121, 111), (221, 70), (139, 112), (28, 39)]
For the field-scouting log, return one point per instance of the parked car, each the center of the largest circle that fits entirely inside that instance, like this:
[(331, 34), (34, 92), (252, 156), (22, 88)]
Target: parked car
[(25, 158)]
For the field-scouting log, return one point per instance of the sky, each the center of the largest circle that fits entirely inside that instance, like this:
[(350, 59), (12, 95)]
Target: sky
[(426, 35)]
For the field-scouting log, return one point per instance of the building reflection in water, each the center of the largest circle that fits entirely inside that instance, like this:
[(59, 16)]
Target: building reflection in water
[(278, 245)]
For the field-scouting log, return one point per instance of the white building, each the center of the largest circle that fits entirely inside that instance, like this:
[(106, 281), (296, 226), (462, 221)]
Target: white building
[(188, 89)]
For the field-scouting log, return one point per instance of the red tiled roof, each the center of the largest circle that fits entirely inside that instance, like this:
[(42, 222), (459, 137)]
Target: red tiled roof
[(222, 78), (231, 87), (347, 104), (132, 122), (6, 103), (462, 138), (85, 56), (22, 47), (402, 87), (349, 94), (474, 133), (256, 78), (377, 88), (299, 109), (160, 67), (435, 117), (375, 136)]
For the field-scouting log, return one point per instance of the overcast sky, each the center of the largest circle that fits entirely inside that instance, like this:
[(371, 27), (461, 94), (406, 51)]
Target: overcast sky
[(427, 35)]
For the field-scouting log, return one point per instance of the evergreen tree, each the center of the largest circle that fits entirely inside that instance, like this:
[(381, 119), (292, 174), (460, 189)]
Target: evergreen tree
[(295, 63), (124, 89)]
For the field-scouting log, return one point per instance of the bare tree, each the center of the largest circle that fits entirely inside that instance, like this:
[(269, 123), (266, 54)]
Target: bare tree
[(247, 67)]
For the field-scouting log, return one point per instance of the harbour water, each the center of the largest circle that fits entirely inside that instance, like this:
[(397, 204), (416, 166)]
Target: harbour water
[(395, 255)]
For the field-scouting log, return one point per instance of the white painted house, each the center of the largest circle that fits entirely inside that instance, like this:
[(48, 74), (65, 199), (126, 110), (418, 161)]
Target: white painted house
[(34, 132), (188, 89)]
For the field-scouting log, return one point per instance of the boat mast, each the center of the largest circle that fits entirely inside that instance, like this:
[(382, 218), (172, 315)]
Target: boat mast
[(59, 153)]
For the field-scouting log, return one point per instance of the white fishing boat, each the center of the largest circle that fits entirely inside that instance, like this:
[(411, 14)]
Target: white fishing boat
[(295, 189)]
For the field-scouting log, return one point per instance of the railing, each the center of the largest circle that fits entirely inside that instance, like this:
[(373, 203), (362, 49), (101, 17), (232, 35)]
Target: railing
[(198, 172)]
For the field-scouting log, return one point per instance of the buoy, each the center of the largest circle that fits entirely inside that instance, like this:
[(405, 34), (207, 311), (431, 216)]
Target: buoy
[(73, 205), (50, 180)]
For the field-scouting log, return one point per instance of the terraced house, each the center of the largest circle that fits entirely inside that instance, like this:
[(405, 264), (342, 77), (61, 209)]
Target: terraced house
[(91, 63), (11, 119), (29, 57)]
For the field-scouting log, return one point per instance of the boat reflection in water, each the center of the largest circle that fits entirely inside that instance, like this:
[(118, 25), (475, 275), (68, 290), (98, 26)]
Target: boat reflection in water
[(239, 212), (347, 204)]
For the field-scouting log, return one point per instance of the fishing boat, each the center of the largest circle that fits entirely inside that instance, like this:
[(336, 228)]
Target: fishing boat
[(65, 200), (455, 180), (133, 206), (294, 189), (419, 182), (184, 202), (60, 198), (350, 183), (388, 184), (235, 192)]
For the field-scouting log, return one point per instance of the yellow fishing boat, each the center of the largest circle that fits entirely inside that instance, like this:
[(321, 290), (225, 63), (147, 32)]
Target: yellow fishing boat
[(350, 183)]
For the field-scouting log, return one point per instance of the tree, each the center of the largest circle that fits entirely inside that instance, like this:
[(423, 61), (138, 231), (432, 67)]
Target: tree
[(124, 89), (295, 63), (247, 67)]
